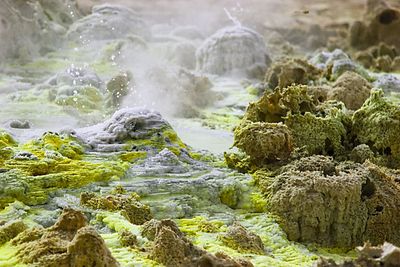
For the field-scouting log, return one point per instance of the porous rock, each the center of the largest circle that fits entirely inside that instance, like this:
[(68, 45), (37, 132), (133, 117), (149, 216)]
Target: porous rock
[(341, 207), (351, 89), (69, 242), (380, 24)]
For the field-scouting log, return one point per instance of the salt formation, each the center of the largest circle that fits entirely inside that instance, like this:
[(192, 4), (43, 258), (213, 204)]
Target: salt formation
[(232, 49), (237, 237), (124, 125), (69, 242), (351, 89), (108, 22), (343, 205), (10, 230), (264, 141), (287, 71), (164, 162), (318, 199), (129, 205), (172, 248)]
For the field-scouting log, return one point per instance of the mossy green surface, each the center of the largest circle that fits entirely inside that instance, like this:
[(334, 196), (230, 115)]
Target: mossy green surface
[(280, 251), (165, 138), (132, 157), (128, 205), (47, 64), (88, 99), (264, 141), (377, 124), (57, 163), (124, 255), (274, 106), (6, 144), (8, 256), (64, 145), (318, 135), (229, 196), (220, 120)]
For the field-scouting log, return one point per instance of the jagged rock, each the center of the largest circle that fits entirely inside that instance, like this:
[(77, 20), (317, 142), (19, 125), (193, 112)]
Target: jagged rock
[(10, 230), (264, 141), (237, 237), (88, 249), (351, 89), (384, 63), (170, 246), (151, 228), (361, 153), (70, 242), (130, 207), (108, 22), (232, 49), (274, 106), (289, 71), (342, 207), (377, 124), (342, 66), (317, 128), (127, 239)]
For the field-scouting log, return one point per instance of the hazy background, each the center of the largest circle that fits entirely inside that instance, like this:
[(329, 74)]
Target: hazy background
[(257, 13)]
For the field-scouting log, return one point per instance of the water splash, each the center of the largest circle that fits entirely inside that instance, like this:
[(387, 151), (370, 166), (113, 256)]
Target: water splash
[(232, 18)]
